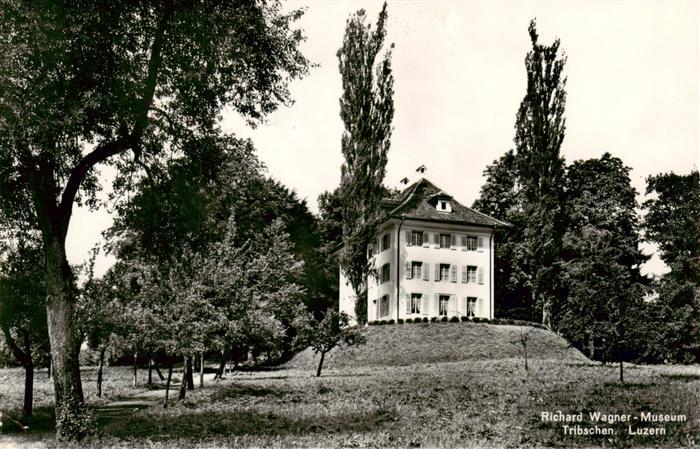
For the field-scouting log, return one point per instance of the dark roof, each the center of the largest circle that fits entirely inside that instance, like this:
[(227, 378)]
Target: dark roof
[(417, 202)]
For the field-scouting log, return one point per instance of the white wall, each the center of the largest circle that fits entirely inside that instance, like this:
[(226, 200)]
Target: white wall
[(432, 255)]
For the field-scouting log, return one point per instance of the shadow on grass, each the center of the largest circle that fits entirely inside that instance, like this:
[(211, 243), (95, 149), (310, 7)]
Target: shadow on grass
[(682, 377), (192, 425), (42, 421), (630, 385), (237, 391)]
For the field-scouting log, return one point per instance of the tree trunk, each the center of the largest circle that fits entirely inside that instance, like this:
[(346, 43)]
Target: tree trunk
[(167, 384), (222, 366), (100, 367), (27, 408), (190, 378), (48, 370), (320, 364), (622, 377), (183, 384), (155, 367), (201, 370), (546, 312), (65, 341), (150, 371), (136, 367)]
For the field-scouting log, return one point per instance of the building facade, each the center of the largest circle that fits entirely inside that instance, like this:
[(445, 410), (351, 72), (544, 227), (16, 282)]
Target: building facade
[(433, 258)]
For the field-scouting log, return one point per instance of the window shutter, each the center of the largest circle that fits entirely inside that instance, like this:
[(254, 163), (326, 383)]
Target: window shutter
[(437, 272), (436, 239), (480, 275), (408, 303), (409, 274), (477, 304), (391, 273), (464, 306), (453, 241), (463, 240), (426, 271), (378, 303), (480, 242), (453, 273), (426, 238), (464, 274), (424, 306), (437, 304), (408, 238)]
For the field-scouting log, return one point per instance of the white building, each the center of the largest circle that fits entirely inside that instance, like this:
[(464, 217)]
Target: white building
[(433, 258)]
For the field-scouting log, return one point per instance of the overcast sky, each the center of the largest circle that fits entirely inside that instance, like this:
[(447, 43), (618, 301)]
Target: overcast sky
[(632, 90)]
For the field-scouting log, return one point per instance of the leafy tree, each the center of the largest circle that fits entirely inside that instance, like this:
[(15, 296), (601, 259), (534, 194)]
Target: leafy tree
[(601, 261), (330, 227), (500, 197), (672, 222), (539, 133), (123, 84), (367, 110), (22, 313), (332, 331)]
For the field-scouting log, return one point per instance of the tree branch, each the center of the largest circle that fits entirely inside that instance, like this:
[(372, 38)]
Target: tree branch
[(20, 355), (126, 140)]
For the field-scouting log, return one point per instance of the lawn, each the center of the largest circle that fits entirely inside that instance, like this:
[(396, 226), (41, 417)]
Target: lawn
[(465, 401)]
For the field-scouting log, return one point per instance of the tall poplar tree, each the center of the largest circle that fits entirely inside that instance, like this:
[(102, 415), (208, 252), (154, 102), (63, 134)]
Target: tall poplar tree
[(539, 133), (367, 110)]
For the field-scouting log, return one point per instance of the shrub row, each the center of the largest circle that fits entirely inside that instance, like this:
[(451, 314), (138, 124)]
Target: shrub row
[(463, 319)]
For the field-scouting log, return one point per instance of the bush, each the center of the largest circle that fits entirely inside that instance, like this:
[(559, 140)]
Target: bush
[(400, 321), (443, 319), (381, 322), (464, 318), (433, 319), (454, 319), (391, 321), (425, 319)]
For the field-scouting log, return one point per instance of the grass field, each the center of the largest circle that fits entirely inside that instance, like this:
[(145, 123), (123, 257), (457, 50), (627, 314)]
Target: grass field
[(439, 385)]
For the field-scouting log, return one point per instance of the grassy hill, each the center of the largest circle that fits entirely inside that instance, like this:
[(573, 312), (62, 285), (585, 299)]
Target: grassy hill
[(407, 344)]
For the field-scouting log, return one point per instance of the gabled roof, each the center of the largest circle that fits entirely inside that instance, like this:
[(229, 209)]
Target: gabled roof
[(417, 202)]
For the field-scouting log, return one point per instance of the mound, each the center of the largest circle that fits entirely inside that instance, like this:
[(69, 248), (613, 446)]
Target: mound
[(408, 344)]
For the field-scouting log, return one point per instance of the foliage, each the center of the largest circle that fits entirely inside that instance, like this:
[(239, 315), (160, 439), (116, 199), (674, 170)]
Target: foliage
[(500, 198), (22, 308), (332, 331), (600, 272), (128, 85), (539, 133), (367, 110), (672, 222)]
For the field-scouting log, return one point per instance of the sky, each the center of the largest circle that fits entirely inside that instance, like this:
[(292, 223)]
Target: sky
[(633, 78)]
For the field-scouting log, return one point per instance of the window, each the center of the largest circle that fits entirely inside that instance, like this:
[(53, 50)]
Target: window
[(445, 240), (471, 243), (444, 272), (416, 268), (471, 307), (386, 273), (443, 305), (384, 305), (415, 302), (416, 238), (471, 274), (386, 241)]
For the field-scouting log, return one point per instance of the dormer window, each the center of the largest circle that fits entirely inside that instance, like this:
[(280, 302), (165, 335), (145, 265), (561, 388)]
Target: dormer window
[(444, 206)]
